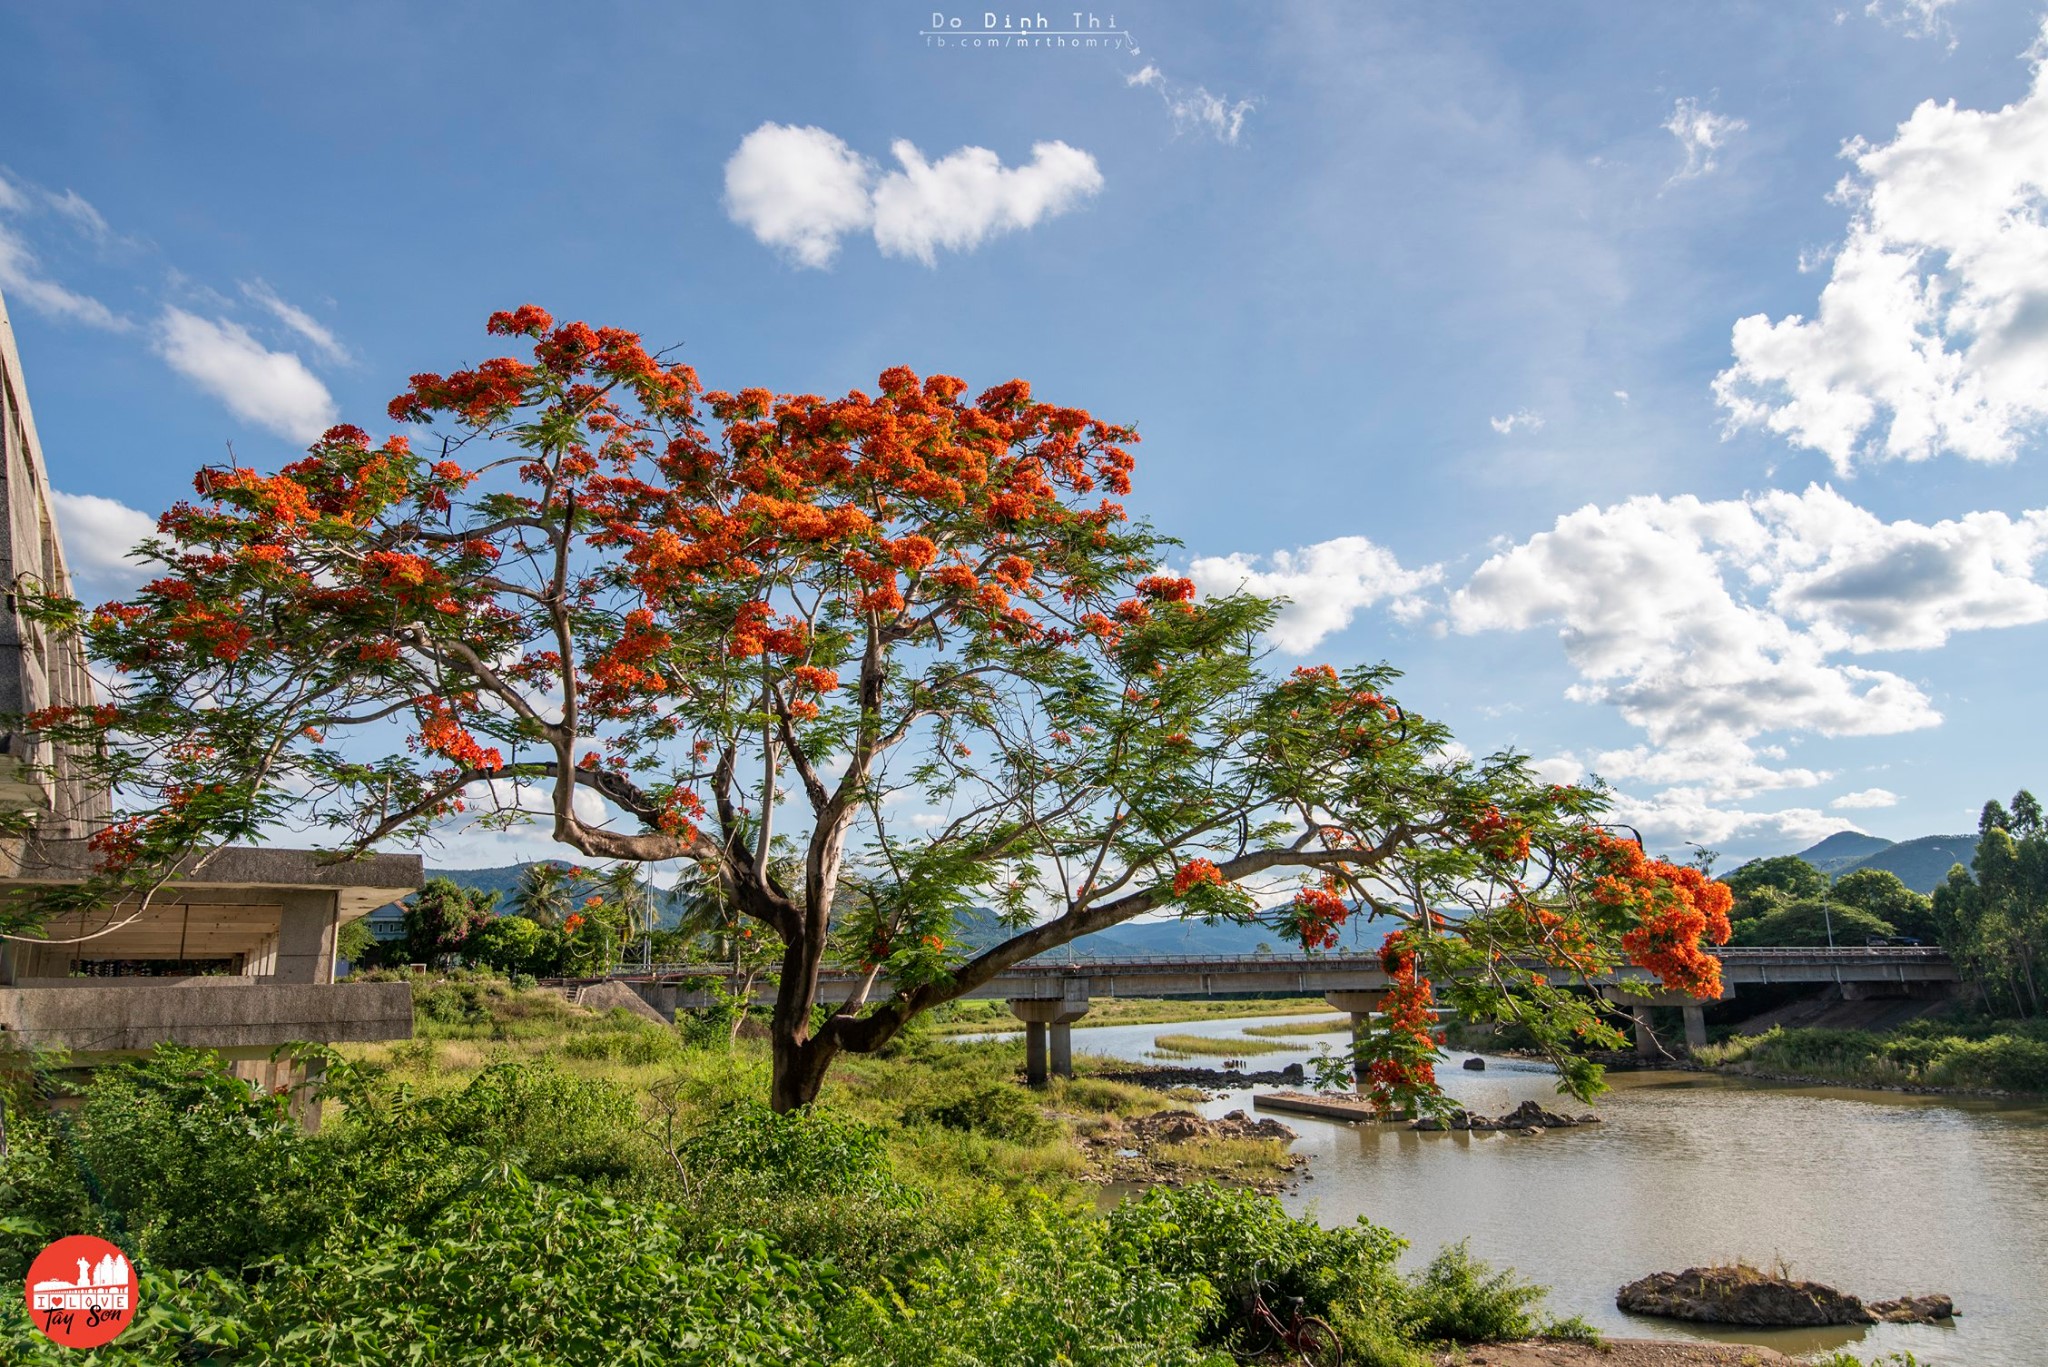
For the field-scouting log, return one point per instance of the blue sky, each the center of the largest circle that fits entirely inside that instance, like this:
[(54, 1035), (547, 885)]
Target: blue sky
[(1432, 316)]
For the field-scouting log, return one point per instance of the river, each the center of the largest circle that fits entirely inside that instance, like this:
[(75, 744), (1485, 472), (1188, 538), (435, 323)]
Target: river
[(1878, 1193)]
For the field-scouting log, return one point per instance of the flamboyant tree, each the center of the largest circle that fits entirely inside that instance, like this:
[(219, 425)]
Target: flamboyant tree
[(862, 662)]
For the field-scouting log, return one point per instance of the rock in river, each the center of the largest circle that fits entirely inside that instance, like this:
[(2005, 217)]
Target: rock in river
[(1745, 1295)]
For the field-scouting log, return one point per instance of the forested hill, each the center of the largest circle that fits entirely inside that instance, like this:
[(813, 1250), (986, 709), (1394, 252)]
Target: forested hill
[(1921, 864)]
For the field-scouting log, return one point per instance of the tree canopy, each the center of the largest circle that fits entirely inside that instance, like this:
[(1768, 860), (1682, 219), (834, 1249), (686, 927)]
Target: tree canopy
[(1993, 916), (858, 661)]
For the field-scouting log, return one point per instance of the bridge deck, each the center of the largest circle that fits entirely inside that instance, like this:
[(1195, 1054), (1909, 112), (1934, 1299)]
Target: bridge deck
[(1076, 980)]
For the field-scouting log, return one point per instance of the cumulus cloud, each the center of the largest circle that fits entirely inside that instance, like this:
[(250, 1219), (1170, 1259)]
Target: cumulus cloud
[(1931, 334), (966, 197), (1521, 419), (298, 320), (272, 389), (1678, 816), (1867, 797), (1326, 585), (800, 190), (1710, 624), (97, 534), (1702, 134)]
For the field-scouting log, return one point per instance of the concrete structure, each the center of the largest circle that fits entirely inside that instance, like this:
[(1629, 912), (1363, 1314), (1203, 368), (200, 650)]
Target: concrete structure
[(236, 952), (1049, 995)]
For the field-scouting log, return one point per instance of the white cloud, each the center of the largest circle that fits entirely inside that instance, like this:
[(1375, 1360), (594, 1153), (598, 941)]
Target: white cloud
[(1916, 18), (1193, 107), (97, 534), (1678, 816), (1622, 395), (1702, 133), (273, 389), (1867, 797), (1711, 624), (298, 320), (1325, 584), (1521, 418), (798, 190), (966, 197), (1931, 334), (79, 210)]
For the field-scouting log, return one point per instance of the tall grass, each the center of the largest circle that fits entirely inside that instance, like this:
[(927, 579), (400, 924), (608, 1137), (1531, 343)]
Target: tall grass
[(1998, 1056)]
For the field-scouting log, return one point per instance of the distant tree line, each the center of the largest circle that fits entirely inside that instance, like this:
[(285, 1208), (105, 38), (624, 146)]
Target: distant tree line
[(558, 921), (1991, 917)]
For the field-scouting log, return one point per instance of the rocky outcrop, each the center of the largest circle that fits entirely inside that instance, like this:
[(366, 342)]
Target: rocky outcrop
[(1527, 1118), (1745, 1295), (1165, 1149)]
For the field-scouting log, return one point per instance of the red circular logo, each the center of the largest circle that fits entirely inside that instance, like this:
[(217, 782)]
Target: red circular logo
[(81, 1291)]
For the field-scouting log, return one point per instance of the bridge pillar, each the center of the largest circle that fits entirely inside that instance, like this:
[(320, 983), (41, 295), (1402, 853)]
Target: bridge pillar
[(1049, 1032), (1360, 1005), (1695, 1027)]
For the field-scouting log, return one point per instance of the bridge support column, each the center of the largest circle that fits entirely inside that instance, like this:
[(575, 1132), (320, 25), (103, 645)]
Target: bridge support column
[(1049, 1032), (1695, 1027), (1360, 1006)]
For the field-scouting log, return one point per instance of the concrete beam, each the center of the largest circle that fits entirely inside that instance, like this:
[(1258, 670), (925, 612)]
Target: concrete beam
[(227, 1014)]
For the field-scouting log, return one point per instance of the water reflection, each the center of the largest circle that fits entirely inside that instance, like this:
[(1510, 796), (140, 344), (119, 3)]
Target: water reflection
[(1879, 1193)]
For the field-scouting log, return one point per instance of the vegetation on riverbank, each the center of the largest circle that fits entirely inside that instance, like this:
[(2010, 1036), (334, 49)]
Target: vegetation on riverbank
[(528, 1183), (1223, 1046), (1946, 1054)]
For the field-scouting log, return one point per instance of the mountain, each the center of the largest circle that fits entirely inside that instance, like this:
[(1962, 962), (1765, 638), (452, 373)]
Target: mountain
[(1921, 864), (1844, 850), (1924, 863)]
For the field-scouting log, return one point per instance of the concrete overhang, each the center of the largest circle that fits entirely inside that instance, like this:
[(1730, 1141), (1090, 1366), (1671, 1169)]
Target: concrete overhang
[(363, 884)]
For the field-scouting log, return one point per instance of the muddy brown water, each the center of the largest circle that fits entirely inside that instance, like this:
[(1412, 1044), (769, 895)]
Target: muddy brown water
[(1878, 1193)]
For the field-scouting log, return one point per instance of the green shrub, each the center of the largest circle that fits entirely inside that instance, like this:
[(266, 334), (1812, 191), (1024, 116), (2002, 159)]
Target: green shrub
[(175, 1159), (1046, 1293), (1460, 1299), (1242, 1243), (1001, 1111)]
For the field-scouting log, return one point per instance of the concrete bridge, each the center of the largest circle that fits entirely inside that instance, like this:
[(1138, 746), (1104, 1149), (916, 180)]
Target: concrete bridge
[(1050, 993)]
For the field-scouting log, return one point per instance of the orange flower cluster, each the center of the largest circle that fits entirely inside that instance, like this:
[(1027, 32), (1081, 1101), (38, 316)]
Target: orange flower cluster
[(443, 735), (1499, 837), (1193, 874), (1675, 907), (1315, 916), (1393, 1082)]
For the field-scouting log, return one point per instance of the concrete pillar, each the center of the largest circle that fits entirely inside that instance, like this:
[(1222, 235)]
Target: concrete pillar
[(1695, 1027), (1034, 1053), (1048, 1020), (1360, 1006), (1063, 1047), (1646, 1039)]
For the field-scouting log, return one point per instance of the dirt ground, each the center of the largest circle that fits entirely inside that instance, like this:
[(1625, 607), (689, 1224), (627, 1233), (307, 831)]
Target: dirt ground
[(1617, 1353)]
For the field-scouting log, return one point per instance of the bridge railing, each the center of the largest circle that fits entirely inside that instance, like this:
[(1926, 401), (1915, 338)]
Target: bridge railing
[(1103, 967)]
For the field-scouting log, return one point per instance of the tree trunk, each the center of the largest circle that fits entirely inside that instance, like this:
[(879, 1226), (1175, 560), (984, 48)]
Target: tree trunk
[(800, 1058), (799, 1063)]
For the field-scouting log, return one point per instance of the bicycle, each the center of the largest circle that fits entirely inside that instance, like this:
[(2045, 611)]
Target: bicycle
[(1308, 1337)]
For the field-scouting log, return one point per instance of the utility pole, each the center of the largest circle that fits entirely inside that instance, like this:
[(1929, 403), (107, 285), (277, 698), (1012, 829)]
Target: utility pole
[(1826, 914)]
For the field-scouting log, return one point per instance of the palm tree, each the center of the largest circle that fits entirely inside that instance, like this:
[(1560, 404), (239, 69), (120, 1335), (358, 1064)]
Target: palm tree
[(620, 886), (542, 894)]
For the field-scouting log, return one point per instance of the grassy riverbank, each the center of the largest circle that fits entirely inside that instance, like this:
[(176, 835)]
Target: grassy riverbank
[(978, 1017), (527, 1183), (1939, 1054)]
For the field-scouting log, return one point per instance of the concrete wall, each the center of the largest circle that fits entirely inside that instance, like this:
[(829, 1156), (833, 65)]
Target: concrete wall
[(249, 1015), (36, 670)]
